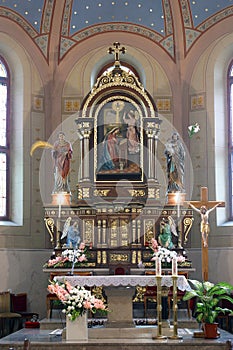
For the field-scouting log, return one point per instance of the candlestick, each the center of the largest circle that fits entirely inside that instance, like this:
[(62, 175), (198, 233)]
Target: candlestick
[(174, 266), (175, 310), (158, 270), (159, 308)]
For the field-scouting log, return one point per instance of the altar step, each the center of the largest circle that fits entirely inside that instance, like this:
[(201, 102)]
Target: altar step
[(59, 322), (141, 332)]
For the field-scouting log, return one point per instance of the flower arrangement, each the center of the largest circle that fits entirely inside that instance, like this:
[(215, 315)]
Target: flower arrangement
[(76, 300), (193, 129), (69, 257), (164, 254)]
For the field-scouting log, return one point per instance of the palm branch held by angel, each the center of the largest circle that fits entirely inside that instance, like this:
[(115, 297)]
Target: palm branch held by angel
[(62, 154)]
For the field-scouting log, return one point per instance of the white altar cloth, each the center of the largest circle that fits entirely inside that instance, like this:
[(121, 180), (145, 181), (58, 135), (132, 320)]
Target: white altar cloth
[(120, 291), (123, 280)]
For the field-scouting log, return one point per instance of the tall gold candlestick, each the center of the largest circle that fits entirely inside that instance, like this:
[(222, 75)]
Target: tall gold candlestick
[(159, 308), (175, 309)]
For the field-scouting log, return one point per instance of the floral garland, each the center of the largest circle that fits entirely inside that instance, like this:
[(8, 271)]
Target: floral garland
[(69, 257), (76, 300)]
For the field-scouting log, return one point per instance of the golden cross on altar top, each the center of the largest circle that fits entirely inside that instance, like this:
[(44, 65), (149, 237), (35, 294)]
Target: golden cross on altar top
[(204, 207), (116, 50)]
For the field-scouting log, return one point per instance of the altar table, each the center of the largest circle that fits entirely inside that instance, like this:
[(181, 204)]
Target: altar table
[(119, 290)]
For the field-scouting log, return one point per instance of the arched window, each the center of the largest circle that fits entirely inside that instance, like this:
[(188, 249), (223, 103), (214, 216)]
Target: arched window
[(4, 140)]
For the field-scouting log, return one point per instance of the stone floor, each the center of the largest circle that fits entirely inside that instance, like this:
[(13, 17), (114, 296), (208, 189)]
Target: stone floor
[(142, 335), (121, 339)]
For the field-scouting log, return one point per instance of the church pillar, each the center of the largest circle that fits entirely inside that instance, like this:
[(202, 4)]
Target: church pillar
[(85, 126), (133, 231), (86, 154), (99, 233), (149, 133), (139, 231), (156, 150), (81, 156), (152, 128), (104, 232)]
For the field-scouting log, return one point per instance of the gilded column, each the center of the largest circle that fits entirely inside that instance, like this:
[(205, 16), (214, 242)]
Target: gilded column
[(99, 241), (133, 231), (138, 231), (104, 232)]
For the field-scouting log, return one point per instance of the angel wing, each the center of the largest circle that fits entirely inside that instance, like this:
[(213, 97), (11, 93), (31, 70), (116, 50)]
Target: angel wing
[(41, 144), (66, 227), (172, 225)]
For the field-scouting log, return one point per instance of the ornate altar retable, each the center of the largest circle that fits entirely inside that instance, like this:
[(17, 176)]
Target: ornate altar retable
[(120, 290), (120, 201)]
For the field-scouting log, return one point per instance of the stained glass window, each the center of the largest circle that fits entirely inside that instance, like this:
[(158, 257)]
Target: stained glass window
[(4, 144)]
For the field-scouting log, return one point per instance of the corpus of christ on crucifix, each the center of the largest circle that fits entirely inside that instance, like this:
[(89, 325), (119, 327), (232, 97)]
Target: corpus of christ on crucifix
[(204, 207)]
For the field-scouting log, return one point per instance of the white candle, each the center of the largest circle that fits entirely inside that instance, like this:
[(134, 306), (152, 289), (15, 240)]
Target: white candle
[(178, 210), (59, 210), (174, 266), (158, 270), (178, 204)]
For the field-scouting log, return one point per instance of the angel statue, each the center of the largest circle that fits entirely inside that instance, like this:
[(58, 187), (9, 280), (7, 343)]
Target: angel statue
[(72, 233), (166, 230), (61, 155)]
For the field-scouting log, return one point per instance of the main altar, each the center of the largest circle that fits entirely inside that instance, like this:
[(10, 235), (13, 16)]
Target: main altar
[(120, 291), (120, 200)]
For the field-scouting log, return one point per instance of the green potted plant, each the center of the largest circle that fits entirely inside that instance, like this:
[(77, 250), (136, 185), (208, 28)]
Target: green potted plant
[(208, 296)]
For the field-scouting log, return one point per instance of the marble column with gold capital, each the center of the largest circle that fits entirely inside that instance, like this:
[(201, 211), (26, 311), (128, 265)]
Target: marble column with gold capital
[(85, 127), (152, 128)]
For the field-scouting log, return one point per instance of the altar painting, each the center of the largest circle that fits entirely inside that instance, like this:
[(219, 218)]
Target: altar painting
[(119, 140)]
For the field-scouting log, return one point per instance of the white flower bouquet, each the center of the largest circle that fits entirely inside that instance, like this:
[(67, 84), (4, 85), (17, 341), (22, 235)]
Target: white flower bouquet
[(164, 254), (69, 257), (76, 300)]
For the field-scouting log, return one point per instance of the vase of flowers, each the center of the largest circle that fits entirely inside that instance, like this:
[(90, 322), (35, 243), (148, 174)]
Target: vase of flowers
[(77, 330), (70, 257), (77, 301), (164, 254)]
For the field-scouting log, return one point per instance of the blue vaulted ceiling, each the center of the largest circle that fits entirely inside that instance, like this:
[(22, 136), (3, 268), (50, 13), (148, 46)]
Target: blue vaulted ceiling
[(80, 19), (149, 13)]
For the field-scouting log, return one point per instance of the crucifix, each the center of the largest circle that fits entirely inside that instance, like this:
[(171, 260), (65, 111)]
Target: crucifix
[(204, 207), (116, 50)]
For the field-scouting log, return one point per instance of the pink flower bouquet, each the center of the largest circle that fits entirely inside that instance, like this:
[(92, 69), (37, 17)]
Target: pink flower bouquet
[(76, 300)]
